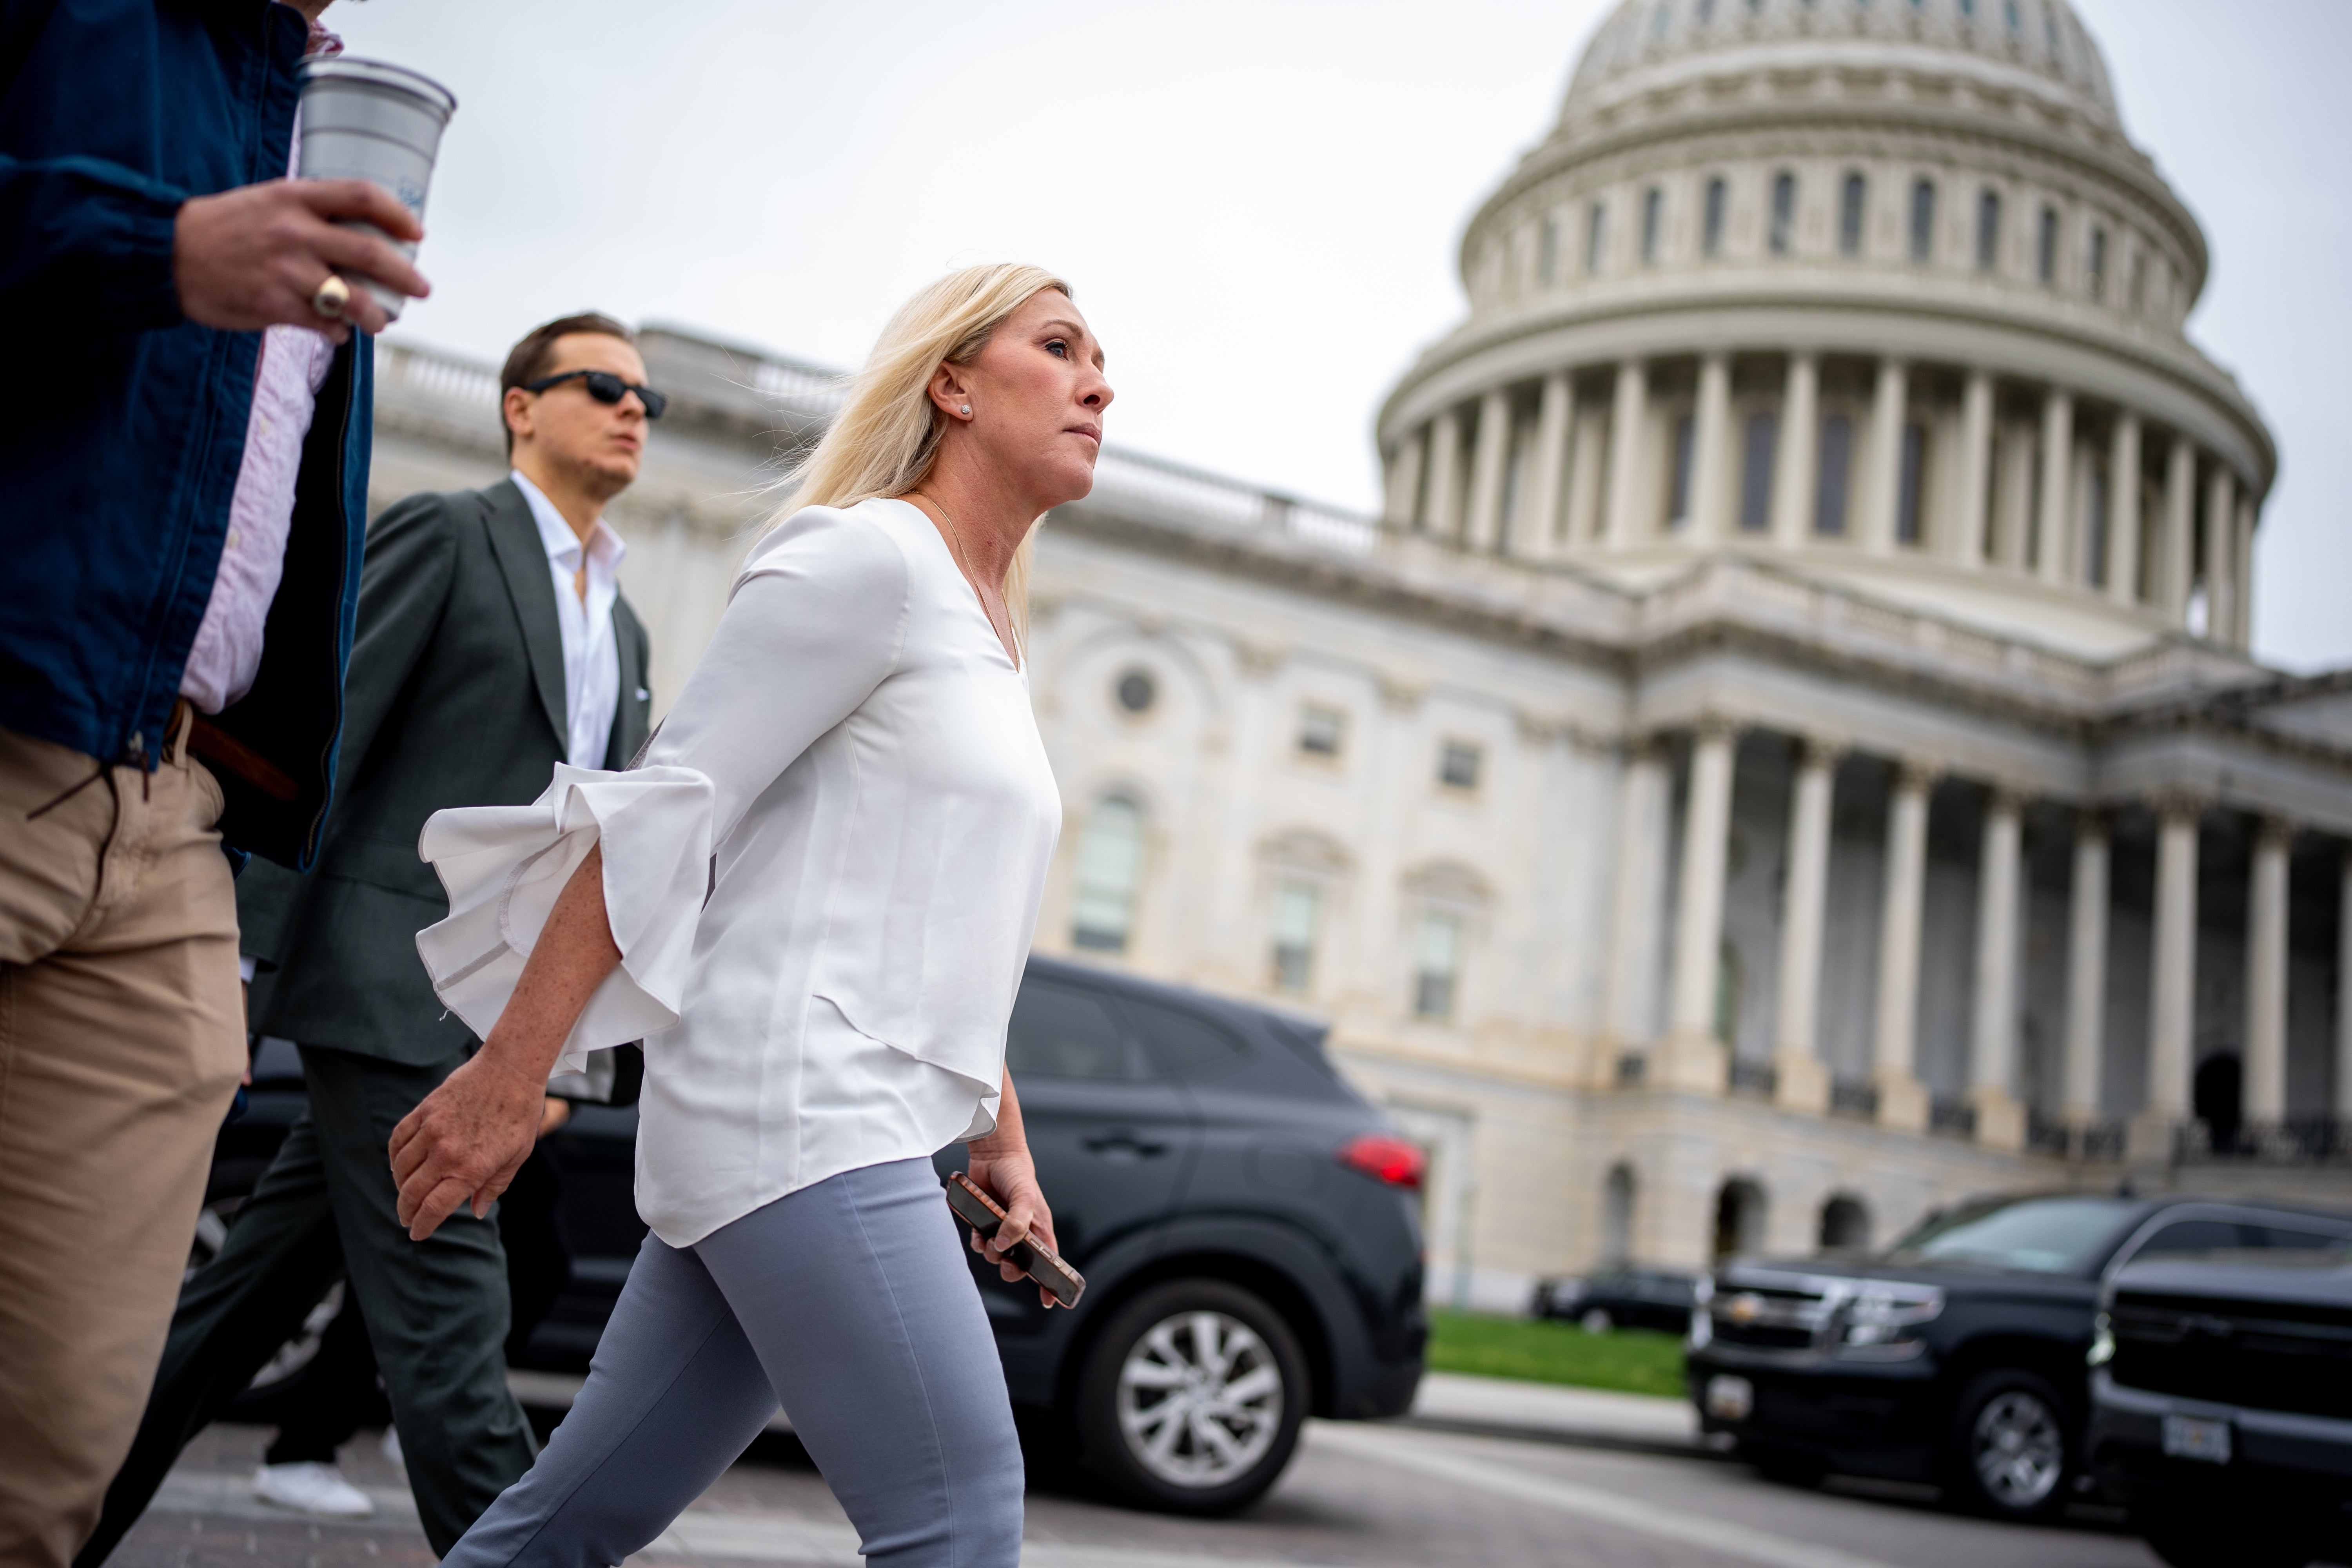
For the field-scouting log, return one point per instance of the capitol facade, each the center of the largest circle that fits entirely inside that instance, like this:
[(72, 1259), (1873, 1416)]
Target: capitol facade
[(1787, 757)]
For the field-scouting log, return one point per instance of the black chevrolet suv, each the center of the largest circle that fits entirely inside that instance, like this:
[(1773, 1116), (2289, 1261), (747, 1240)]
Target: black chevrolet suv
[(1956, 1357), (2221, 1398), (1248, 1226)]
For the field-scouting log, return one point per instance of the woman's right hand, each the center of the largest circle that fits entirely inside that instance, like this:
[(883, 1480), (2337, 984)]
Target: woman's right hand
[(1000, 1163), (467, 1139), (1009, 1176)]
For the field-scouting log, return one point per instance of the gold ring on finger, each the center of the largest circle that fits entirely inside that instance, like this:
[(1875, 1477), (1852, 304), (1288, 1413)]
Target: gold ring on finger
[(331, 298)]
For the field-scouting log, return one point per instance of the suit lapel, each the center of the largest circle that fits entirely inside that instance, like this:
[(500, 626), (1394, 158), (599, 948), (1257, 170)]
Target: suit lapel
[(523, 561), (629, 714)]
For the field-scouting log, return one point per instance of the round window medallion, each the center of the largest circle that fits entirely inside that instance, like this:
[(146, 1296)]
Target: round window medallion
[(1136, 691)]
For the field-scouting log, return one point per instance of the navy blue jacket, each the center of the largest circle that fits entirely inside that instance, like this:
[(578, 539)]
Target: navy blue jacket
[(123, 423)]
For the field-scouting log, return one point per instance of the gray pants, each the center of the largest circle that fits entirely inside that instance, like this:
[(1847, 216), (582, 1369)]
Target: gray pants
[(436, 1311), (851, 1301)]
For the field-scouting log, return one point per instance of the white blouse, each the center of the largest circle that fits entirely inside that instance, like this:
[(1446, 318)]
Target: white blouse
[(822, 879)]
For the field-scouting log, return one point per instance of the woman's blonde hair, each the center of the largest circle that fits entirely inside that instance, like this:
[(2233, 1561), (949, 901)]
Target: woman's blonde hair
[(887, 436)]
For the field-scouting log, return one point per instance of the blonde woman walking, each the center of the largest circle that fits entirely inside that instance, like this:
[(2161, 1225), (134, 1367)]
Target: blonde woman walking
[(813, 899)]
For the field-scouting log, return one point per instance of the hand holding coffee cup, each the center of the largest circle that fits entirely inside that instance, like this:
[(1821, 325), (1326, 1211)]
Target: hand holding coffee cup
[(257, 256), (364, 120)]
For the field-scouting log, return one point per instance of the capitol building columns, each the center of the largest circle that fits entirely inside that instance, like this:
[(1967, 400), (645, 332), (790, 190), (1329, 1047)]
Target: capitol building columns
[(1992, 1071), (1902, 1099), (1953, 1057), (1628, 404), (1691, 1055), (1800, 1078), (1906, 462), (2086, 975)]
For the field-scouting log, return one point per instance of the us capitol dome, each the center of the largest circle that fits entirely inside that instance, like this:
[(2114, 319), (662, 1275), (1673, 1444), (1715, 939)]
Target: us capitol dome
[(1879, 287), (1786, 758)]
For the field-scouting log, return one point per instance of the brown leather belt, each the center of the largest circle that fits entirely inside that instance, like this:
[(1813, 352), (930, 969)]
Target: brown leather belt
[(221, 750)]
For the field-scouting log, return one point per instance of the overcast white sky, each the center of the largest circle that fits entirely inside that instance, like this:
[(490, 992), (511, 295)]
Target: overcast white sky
[(1259, 201)]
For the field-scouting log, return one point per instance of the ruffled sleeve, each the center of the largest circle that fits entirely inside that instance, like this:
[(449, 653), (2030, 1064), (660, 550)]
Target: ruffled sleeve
[(504, 866), (816, 622)]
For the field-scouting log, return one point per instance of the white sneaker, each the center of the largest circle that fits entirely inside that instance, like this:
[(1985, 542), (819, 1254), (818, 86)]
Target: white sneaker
[(311, 1488)]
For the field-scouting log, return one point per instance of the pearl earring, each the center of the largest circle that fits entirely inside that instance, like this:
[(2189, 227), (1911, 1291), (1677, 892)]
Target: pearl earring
[(965, 411)]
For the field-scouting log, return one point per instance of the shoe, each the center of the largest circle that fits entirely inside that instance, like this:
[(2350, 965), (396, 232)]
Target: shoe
[(311, 1488), (392, 1446)]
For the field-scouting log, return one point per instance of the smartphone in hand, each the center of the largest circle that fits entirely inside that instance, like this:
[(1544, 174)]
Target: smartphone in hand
[(977, 1209)]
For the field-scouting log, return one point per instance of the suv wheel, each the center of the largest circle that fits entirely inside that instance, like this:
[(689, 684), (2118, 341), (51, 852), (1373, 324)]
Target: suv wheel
[(2014, 1446), (1191, 1397), (1596, 1321)]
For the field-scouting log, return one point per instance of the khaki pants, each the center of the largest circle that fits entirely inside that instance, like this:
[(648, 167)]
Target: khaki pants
[(121, 1041)]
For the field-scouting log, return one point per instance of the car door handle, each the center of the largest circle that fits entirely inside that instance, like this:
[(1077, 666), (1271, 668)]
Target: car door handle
[(1122, 1141)]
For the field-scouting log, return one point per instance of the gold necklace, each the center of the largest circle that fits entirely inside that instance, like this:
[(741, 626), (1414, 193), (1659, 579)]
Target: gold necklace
[(955, 549)]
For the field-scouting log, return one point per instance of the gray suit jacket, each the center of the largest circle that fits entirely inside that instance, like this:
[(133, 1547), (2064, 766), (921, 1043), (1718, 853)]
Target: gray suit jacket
[(455, 698)]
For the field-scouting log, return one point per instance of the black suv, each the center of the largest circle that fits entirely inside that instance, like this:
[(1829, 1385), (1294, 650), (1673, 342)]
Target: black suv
[(1248, 1226), (2221, 1398), (1619, 1296), (1955, 1357)]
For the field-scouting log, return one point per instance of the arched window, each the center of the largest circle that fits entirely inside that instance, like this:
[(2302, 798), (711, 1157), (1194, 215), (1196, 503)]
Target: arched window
[(1784, 211), (1845, 1223), (1110, 875), (1654, 212), (1596, 235), (1989, 230), (1923, 220), (2096, 283), (2045, 248), (1738, 1218), (1851, 202), (1617, 1194), (1718, 196), (1836, 460)]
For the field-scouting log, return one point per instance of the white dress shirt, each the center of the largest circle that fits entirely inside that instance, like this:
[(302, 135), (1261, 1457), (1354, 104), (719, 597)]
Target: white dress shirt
[(823, 882), (591, 654), (227, 654)]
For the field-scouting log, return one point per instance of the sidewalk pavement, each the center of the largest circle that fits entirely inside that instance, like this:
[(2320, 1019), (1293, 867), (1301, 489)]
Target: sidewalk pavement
[(1457, 1401), (1555, 1413)]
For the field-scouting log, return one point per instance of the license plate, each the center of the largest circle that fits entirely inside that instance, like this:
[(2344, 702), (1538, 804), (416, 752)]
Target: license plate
[(1729, 1398), (2195, 1437)]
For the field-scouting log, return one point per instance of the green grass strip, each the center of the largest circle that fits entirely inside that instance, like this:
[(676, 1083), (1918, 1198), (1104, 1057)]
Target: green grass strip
[(1637, 1360)]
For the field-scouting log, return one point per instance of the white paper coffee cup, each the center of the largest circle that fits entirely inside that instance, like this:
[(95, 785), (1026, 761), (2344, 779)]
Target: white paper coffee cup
[(363, 120)]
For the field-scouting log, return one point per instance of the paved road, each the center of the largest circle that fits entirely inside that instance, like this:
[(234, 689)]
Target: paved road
[(1365, 1497)]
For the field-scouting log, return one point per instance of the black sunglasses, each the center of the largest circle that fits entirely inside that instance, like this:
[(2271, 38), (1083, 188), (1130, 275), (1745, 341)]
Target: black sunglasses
[(605, 387)]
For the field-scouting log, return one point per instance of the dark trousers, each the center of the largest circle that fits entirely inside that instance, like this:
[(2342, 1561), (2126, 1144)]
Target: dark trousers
[(338, 1392), (436, 1312)]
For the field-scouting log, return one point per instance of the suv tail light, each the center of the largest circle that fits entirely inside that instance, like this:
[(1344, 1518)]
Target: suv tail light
[(1385, 1157)]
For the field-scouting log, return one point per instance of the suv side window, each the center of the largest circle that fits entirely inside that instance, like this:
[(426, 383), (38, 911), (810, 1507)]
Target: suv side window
[(1061, 1031), (2279, 1238), (2192, 1235), (1179, 1044)]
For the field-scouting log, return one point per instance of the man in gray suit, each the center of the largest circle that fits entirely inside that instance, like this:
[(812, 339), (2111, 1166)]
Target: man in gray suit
[(492, 644)]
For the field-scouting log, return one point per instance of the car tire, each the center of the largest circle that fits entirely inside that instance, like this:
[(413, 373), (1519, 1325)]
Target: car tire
[(1191, 1397), (1596, 1321), (2013, 1445), (2203, 1538)]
